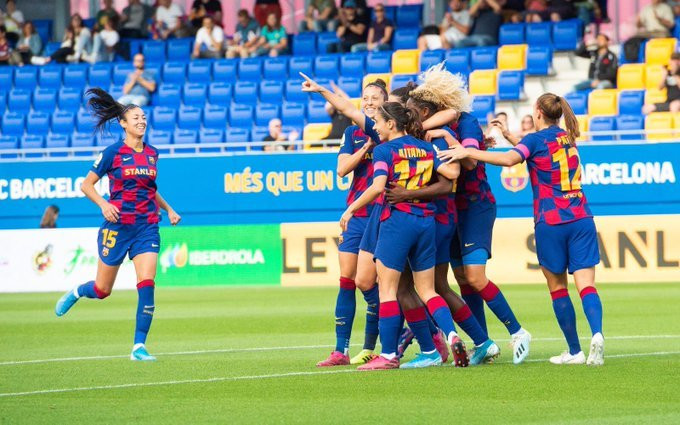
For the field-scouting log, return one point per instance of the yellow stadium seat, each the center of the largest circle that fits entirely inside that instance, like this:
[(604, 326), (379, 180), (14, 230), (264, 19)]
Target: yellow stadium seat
[(512, 57), (315, 133), (655, 96), (658, 50), (602, 102), (631, 76), (483, 82), (406, 62), (659, 121), (372, 77), (356, 103), (583, 121), (676, 120), (653, 76)]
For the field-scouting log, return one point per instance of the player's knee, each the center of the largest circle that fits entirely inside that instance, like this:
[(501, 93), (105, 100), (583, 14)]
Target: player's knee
[(476, 280), (102, 292), (364, 283)]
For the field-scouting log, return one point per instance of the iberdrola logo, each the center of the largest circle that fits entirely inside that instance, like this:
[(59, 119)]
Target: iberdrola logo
[(174, 256), (515, 178)]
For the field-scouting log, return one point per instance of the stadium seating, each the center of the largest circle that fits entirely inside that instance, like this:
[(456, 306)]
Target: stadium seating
[(409, 16), (378, 62), (258, 133), (405, 61), (237, 135), (565, 34), (224, 70), (482, 106), (179, 48), (458, 61), (300, 64), (511, 34), (351, 86), (400, 80), (185, 137), (13, 124), (631, 76), (49, 77), (63, 122), (630, 102), (293, 113), (99, 75), (655, 95), (199, 71), (170, 95), (304, 44), (405, 38), (539, 59), (602, 102), (210, 135), (271, 91), (265, 112), (658, 50), (32, 141), (215, 117), (84, 121), (578, 102), (483, 58), (654, 76), (369, 78), (240, 115), (57, 140), (75, 75), (8, 142), (219, 93), (324, 39), (189, 118), (630, 123), (275, 68), (38, 122), (164, 118), (250, 69), (81, 140), (25, 77), (173, 72), (657, 121), (316, 112), (19, 100), (153, 51), (69, 98), (512, 57), (313, 132), (538, 33), (430, 58), (352, 65), (159, 137), (602, 124), (326, 66), (510, 85), (294, 92), (483, 82), (245, 92), (194, 94), (121, 71)]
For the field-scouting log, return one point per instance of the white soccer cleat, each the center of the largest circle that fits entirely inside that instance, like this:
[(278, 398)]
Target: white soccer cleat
[(566, 358), (520, 345), (596, 355)]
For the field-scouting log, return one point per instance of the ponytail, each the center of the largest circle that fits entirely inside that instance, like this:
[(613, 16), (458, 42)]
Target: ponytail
[(105, 108), (570, 121), (553, 107), (414, 125)]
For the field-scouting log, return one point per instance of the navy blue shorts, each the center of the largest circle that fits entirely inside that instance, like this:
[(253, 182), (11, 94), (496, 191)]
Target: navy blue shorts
[(569, 246), (404, 237), (475, 229), (370, 238), (115, 240), (351, 238), (444, 233)]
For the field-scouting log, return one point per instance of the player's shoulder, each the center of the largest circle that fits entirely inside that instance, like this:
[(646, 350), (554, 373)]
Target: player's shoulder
[(149, 149), (113, 149), (467, 118)]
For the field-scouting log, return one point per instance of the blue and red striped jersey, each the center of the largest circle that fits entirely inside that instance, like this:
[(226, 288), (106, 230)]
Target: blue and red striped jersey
[(410, 163), (132, 181), (555, 171), (446, 211), (472, 184), (353, 140)]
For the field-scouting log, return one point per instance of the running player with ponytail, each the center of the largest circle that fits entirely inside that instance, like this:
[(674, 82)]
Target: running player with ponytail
[(131, 213), (566, 237)]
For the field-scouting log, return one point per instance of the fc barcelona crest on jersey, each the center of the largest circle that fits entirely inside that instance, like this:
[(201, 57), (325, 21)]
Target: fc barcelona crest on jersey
[(152, 160), (515, 178)]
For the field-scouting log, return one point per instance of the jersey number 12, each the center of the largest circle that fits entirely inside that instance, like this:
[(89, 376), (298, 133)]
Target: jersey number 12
[(562, 157)]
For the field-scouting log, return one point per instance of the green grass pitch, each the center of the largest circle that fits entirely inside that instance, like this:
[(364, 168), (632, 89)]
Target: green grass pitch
[(247, 355)]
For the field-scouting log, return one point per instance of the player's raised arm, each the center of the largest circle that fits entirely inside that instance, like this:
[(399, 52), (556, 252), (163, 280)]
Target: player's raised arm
[(514, 140), (342, 105)]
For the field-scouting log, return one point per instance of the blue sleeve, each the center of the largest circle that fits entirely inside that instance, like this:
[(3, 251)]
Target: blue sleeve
[(370, 132), (346, 143), (437, 162), (440, 144), (470, 133), (102, 165), (526, 148), (381, 161)]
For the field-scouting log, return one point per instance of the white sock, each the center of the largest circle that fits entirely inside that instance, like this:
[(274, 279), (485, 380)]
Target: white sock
[(389, 356), (136, 346), (429, 352)]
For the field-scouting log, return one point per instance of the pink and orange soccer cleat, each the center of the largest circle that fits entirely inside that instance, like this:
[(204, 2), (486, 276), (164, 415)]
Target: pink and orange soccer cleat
[(380, 363), (440, 345), (336, 358), (460, 356)]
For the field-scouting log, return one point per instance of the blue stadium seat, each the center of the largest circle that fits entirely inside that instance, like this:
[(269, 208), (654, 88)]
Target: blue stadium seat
[(185, 137), (458, 61), (294, 91), (70, 98), (224, 70), (324, 39), (326, 66), (352, 65), (483, 58), (84, 121), (379, 62), (3, 102), (19, 100), (351, 86), (25, 77), (631, 122), (293, 113), (8, 142), (245, 92), (578, 102), (121, 71), (33, 141), (99, 75), (298, 64), (511, 34), (48, 76), (250, 69), (106, 139), (45, 99), (189, 118), (159, 137), (275, 68), (409, 16), (211, 135), (164, 118), (75, 75), (630, 102), (431, 57), (271, 91), (7, 76), (240, 115), (155, 68), (401, 80), (135, 46), (51, 47), (219, 93), (199, 71), (57, 140), (316, 112), (82, 140), (602, 124), (13, 123), (154, 51), (304, 44), (265, 112), (510, 85), (195, 94), (38, 122), (44, 29), (676, 28), (179, 49), (63, 122), (215, 116), (566, 34), (539, 59), (169, 95), (482, 106), (405, 38), (538, 33), (174, 72), (259, 133), (237, 135), (116, 91)]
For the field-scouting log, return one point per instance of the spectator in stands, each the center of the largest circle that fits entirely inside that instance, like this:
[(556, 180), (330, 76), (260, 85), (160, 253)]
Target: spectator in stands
[(273, 38), (536, 10), (168, 21), (29, 44), (14, 21), (82, 39), (61, 54), (263, 8), (6, 54), (351, 30), (139, 84), (321, 16), (339, 122), (560, 10), (209, 40), (275, 135), (671, 82), (50, 217), (104, 44), (526, 126), (245, 38), (499, 140), (455, 27), (106, 13), (487, 21), (202, 8), (379, 33), (361, 10), (603, 65), (655, 20), (134, 20)]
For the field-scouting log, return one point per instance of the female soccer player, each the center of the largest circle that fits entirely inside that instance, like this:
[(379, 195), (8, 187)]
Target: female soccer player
[(406, 230), (132, 214), (356, 154), (566, 238)]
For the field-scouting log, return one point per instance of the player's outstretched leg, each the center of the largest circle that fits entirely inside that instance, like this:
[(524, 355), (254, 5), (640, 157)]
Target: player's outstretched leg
[(566, 317), (145, 310), (442, 315), (345, 307), (87, 290)]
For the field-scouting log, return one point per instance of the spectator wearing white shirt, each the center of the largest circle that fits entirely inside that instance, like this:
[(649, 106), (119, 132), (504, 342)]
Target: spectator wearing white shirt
[(454, 27), (168, 21), (14, 21), (104, 44), (211, 37), (246, 36), (655, 20)]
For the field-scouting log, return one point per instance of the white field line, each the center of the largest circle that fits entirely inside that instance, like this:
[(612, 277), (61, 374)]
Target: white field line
[(297, 347), (253, 377)]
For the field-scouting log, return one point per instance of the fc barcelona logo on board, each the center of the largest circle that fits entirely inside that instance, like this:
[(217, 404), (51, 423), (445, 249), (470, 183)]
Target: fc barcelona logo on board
[(515, 178)]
